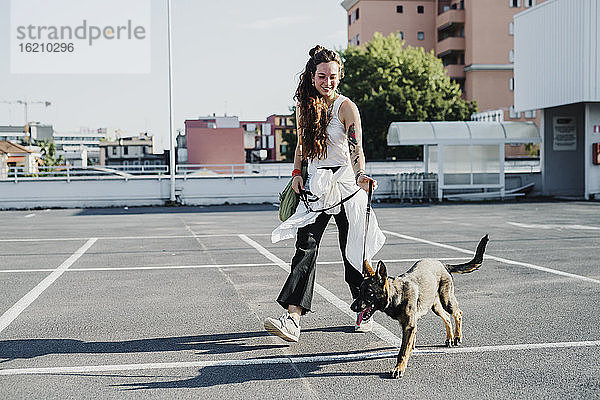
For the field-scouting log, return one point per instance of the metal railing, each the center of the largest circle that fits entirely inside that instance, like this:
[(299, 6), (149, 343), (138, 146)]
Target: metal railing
[(416, 186), (68, 172)]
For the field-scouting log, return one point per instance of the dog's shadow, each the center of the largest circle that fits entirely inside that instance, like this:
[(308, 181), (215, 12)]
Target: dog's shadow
[(217, 375)]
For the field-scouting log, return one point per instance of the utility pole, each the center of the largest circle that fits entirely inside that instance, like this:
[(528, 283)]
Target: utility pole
[(171, 127)]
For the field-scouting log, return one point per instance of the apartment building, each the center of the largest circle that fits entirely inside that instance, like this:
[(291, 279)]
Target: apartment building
[(259, 141), (281, 124), (473, 38), (132, 151)]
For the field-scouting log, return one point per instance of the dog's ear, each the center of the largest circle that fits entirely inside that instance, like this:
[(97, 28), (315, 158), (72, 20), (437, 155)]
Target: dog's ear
[(367, 270), (381, 270)]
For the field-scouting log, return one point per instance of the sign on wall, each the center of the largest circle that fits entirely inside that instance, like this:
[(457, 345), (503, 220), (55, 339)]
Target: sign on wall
[(565, 134)]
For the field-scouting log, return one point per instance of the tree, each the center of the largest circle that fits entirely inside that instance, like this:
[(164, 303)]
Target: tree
[(390, 83), (48, 151)]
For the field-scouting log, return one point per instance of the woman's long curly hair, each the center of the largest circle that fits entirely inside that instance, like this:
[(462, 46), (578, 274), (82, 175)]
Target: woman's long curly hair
[(314, 115)]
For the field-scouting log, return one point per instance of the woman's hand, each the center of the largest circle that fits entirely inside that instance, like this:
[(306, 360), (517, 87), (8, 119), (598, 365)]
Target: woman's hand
[(297, 184), (363, 181)]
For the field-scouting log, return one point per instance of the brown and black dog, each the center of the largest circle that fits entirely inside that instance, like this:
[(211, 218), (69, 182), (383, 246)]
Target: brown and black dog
[(408, 297)]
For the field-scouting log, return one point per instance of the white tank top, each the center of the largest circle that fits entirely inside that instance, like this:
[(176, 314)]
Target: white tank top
[(337, 140)]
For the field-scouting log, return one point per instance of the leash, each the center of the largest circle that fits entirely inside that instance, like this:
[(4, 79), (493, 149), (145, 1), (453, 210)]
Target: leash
[(304, 197), (370, 196)]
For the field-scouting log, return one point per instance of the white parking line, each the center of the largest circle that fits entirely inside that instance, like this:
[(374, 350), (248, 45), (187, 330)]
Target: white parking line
[(554, 226), (500, 259), (378, 330), (67, 239), (159, 267), (351, 356), (9, 316), (29, 215)]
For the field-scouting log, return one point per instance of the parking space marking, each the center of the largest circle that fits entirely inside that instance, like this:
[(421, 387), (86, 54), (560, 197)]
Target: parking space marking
[(158, 267), (67, 239), (29, 215), (554, 226), (378, 330), (500, 259), (350, 356), (9, 316)]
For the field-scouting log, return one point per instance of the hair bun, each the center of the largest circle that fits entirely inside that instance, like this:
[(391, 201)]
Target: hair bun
[(315, 49)]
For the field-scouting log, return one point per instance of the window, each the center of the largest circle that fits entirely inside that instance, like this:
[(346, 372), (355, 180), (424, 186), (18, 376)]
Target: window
[(357, 39), (356, 14), (529, 3), (511, 28), (114, 151), (511, 56), (349, 19), (125, 150), (514, 3), (511, 84), (461, 60), (399, 9), (401, 35), (420, 35), (512, 113), (420, 9), (531, 114)]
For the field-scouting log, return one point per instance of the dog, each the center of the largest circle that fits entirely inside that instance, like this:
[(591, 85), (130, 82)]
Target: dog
[(408, 297)]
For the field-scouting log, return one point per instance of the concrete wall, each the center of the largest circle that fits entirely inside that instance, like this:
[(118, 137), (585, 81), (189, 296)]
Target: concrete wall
[(147, 191), (564, 173)]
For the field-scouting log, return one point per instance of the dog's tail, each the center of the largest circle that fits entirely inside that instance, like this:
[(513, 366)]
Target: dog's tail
[(475, 263)]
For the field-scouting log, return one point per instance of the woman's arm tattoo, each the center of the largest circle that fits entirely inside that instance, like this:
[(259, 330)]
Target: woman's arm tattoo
[(353, 145)]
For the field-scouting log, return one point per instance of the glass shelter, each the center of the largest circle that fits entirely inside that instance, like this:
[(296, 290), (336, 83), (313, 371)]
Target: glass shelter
[(465, 155)]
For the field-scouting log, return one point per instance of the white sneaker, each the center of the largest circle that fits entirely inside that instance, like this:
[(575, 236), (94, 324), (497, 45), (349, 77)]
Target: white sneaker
[(364, 326), (285, 327)]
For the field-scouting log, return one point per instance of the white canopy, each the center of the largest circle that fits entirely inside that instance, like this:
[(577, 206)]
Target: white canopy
[(461, 132)]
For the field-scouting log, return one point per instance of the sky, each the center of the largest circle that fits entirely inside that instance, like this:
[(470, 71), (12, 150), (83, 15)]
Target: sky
[(234, 57)]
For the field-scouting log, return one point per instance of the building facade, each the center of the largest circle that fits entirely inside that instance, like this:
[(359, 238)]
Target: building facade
[(557, 71), (133, 151), (281, 124), (473, 38), (259, 141), (14, 155), (86, 141), (208, 143), (26, 134)]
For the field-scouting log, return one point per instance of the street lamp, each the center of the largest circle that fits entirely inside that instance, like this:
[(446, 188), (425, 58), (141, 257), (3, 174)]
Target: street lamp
[(171, 122)]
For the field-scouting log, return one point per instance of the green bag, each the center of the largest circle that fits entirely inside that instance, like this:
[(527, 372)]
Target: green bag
[(288, 199)]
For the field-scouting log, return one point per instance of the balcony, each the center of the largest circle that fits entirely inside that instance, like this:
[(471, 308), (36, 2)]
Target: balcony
[(449, 45), (449, 18), (456, 71)]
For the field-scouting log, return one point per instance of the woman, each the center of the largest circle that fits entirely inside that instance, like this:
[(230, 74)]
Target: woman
[(330, 138)]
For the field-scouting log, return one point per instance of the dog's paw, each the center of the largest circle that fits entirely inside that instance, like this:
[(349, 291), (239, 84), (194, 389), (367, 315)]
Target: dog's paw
[(450, 342), (396, 373), (457, 341)]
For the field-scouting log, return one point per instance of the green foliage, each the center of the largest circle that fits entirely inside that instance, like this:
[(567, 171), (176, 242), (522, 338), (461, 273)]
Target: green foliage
[(390, 83), (48, 150)]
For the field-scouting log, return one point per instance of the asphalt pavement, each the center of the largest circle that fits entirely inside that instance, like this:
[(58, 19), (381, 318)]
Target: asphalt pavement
[(154, 302)]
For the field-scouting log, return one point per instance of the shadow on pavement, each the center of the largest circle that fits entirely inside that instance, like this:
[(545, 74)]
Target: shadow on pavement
[(205, 344), (231, 208)]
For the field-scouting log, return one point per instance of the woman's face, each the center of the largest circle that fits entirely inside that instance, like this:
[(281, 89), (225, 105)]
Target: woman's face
[(327, 78)]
